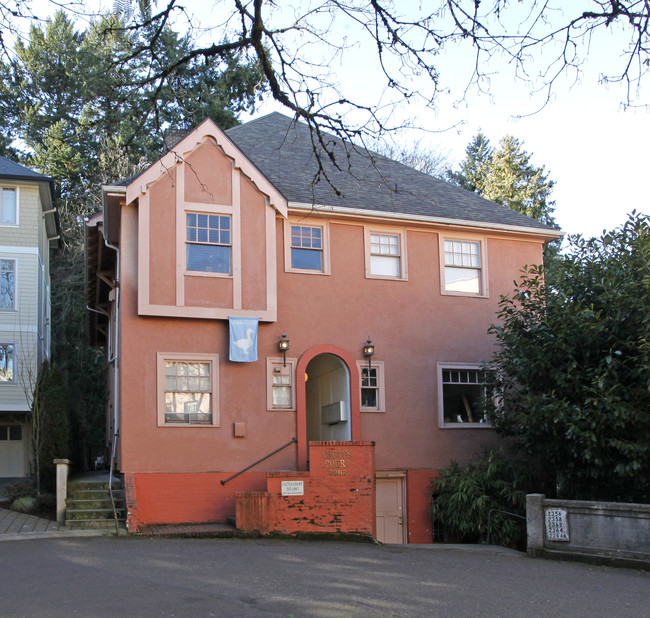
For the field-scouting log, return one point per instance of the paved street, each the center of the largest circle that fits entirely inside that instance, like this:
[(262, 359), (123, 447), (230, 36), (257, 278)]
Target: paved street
[(220, 577)]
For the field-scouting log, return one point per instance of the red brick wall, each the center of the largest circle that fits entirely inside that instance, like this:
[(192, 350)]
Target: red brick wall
[(339, 494), (170, 498)]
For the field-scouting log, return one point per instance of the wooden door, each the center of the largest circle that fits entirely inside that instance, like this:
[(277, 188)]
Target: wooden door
[(391, 527)]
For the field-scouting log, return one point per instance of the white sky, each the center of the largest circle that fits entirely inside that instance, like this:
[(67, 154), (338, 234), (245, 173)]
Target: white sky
[(594, 150)]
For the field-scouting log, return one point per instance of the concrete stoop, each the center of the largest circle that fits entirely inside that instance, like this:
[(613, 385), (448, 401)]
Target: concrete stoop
[(89, 506)]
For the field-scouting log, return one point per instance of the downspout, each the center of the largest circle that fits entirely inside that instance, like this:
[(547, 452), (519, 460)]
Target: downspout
[(116, 379)]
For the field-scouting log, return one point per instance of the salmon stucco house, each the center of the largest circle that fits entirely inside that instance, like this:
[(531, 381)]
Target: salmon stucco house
[(300, 358)]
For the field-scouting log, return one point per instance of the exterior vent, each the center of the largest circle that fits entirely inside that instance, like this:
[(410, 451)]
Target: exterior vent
[(334, 413)]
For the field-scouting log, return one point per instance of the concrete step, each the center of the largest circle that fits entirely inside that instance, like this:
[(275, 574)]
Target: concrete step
[(94, 524), (90, 485), (97, 503), (92, 514), (94, 494)]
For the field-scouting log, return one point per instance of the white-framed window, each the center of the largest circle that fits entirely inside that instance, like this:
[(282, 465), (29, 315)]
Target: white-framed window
[(385, 254), (7, 285), (7, 363), (9, 206), (463, 267), (188, 389), (208, 243), (306, 247), (281, 384), (461, 394), (371, 386)]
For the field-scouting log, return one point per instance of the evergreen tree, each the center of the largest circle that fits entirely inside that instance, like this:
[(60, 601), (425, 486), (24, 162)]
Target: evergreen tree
[(82, 106), (474, 168), (511, 180)]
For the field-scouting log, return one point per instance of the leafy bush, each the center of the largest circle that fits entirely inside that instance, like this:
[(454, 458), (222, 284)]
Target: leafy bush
[(24, 504), (19, 489), (45, 502), (465, 495)]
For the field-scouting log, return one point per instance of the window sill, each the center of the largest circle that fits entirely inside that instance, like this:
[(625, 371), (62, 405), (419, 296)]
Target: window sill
[(465, 426)]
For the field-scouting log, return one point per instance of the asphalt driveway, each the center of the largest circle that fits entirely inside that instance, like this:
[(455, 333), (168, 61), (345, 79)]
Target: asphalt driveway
[(221, 577)]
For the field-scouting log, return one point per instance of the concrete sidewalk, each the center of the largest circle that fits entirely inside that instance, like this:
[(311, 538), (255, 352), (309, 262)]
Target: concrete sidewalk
[(16, 526)]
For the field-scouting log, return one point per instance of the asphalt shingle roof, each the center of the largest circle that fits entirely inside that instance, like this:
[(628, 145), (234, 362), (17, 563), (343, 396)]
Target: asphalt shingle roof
[(282, 150), (15, 171)]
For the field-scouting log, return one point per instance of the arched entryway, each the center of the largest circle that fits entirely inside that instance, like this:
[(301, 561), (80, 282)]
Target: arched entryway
[(327, 398)]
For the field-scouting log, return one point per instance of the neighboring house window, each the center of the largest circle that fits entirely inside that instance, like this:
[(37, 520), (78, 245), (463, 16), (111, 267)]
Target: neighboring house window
[(7, 284), (461, 392), (9, 213), (306, 248), (385, 255), (280, 384), (11, 432), (208, 243), (7, 362), (187, 389), (463, 267), (372, 386)]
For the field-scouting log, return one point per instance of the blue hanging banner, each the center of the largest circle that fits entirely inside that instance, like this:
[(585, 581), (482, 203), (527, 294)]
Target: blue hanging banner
[(243, 339)]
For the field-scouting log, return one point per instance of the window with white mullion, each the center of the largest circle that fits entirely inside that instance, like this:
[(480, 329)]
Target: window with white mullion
[(462, 266), (385, 255)]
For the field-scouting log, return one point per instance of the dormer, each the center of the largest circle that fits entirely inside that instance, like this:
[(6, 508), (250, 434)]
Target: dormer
[(206, 232)]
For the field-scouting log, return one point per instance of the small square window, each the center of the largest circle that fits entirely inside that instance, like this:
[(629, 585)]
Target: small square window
[(462, 394), (281, 392), (9, 210), (371, 383)]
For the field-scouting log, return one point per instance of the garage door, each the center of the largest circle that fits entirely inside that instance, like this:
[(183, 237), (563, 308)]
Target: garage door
[(12, 451)]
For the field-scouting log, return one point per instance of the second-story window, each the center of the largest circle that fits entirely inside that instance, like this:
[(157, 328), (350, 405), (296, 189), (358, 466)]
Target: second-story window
[(7, 362), (7, 284), (307, 247), (462, 273), (9, 207), (208, 243)]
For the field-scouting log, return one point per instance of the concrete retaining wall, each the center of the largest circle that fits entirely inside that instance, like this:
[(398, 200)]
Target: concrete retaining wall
[(604, 532)]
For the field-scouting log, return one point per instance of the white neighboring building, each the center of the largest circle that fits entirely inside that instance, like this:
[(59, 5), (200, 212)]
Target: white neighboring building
[(28, 229)]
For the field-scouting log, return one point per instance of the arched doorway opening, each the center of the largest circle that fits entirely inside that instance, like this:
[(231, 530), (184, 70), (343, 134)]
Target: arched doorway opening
[(327, 399), (328, 373)]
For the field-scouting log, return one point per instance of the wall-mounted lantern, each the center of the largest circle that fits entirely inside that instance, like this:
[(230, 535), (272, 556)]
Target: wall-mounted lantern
[(369, 351), (283, 346)]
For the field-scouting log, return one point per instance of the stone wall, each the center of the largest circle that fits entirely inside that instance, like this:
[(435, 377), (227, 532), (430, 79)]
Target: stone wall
[(604, 532)]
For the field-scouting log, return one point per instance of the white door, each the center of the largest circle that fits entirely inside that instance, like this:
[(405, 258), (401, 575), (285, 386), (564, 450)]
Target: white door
[(390, 510), (12, 451)]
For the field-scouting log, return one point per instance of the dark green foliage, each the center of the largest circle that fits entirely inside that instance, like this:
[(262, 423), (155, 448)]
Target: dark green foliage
[(464, 496), (19, 489), (573, 366), (24, 504), (51, 397)]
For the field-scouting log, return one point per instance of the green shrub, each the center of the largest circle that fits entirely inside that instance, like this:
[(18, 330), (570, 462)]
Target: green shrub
[(45, 502), (464, 497), (19, 489), (24, 504)]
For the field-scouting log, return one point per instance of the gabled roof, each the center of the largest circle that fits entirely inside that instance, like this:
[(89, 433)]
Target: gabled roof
[(282, 149), (15, 171), (11, 170)]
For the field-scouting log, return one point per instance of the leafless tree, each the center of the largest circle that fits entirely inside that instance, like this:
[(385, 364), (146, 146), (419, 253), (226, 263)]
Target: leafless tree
[(299, 45)]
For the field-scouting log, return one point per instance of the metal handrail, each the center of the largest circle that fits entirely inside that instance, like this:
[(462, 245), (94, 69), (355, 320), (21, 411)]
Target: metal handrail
[(277, 450), (500, 511)]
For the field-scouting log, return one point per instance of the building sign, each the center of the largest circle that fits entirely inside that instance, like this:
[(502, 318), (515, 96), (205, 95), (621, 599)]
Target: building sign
[(337, 462), (557, 526), (293, 488)]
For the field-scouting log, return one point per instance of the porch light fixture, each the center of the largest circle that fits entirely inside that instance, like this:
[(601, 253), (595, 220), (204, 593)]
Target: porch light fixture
[(369, 351), (283, 346)]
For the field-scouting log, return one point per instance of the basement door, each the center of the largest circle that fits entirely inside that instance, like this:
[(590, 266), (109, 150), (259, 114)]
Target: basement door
[(390, 509)]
